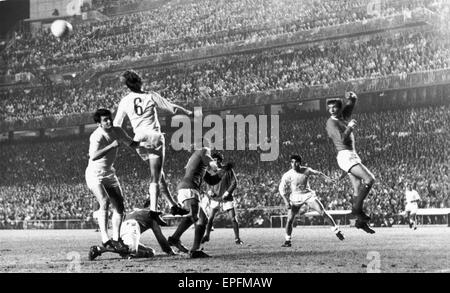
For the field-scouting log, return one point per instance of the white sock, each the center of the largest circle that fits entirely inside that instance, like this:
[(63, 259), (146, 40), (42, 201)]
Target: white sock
[(153, 191), (116, 223), (102, 217), (288, 237)]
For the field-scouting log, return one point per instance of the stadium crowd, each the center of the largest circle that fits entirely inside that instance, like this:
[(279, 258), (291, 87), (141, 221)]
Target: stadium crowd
[(45, 180), (278, 69), (183, 26)]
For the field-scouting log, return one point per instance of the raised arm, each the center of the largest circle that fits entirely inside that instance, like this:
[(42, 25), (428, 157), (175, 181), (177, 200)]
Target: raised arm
[(349, 105), (120, 116)]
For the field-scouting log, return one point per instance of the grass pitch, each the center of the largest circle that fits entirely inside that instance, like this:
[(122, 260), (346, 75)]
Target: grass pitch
[(314, 250)]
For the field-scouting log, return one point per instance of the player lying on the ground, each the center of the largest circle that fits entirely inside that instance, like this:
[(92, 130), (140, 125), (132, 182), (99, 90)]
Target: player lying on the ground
[(221, 195), (340, 129), (295, 184), (189, 196), (134, 225)]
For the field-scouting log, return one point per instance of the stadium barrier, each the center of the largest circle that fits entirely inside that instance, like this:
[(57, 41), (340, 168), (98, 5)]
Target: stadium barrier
[(49, 224), (427, 216), (340, 216), (256, 218)]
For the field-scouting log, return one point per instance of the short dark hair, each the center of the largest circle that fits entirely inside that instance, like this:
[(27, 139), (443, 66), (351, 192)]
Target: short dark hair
[(132, 80), (338, 102), (218, 156), (99, 113), (298, 158)]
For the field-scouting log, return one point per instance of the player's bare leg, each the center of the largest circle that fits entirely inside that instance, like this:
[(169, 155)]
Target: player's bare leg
[(408, 218), (155, 163), (318, 207), (292, 212), (116, 199), (163, 243), (200, 226), (175, 209), (104, 199), (413, 221), (209, 225), (234, 221), (366, 181), (361, 218), (185, 223)]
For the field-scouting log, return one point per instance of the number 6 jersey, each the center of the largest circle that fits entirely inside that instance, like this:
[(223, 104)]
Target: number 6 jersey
[(141, 110)]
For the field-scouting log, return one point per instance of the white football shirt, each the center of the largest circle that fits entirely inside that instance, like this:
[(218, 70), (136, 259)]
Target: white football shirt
[(294, 181), (141, 110)]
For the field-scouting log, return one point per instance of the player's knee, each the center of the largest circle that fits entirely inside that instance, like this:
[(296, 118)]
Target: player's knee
[(119, 208), (235, 220), (103, 205), (201, 221), (370, 180)]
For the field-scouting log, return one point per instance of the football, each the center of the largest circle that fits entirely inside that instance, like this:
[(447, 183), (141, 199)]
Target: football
[(61, 28)]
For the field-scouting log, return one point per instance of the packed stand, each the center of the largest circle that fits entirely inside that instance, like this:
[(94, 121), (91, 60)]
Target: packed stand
[(180, 26), (45, 180), (192, 83)]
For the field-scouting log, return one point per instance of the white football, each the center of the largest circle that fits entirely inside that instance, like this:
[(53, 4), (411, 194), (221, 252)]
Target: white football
[(61, 28)]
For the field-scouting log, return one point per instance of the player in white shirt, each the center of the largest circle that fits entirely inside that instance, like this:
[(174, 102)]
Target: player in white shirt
[(294, 184), (140, 107), (101, 176), (412, 199)]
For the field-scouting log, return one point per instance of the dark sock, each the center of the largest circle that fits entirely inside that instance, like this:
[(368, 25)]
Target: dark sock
[(236, 229), (359, 200), (182, 227), (199, 231)]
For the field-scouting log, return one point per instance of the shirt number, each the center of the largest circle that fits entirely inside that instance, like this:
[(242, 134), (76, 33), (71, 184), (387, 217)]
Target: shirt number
[(137, 107)]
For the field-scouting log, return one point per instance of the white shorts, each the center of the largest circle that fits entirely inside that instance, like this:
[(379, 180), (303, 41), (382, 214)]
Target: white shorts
[(185, 194), (298, 199), (130, 232), (411, 207), (207, 204), (154, 143), (95, 178), (346, 159)]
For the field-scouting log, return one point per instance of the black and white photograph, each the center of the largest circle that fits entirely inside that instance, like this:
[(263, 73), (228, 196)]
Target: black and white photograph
[(249, 137)]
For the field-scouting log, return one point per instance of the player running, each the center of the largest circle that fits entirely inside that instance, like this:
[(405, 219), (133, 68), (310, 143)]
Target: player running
[(101, 176), (295, 184), (221, 195), (412, 199), (189, 194), (134, 225), (340, 130), (140, 107)]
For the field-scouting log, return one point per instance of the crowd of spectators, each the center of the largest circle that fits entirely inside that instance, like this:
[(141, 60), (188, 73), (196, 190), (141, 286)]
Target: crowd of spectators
[(185, 25), (241, 74), (45, 180)]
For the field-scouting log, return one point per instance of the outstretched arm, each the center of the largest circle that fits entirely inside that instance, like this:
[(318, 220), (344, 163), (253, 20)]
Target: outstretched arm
[(318, 173), (164, 104)]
